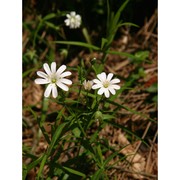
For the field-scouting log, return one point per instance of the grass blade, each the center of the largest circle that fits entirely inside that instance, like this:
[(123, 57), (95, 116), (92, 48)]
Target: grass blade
[(42, 166), (74, 171), (76, 43), (55, 137)]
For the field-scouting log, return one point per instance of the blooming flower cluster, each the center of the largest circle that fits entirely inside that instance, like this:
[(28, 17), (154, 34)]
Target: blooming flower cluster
[(53, 78), (73, 20)]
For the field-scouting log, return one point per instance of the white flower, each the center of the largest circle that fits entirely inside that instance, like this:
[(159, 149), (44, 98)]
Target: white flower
[(53, 78), (106, 84), (87, 85), (73, 20)]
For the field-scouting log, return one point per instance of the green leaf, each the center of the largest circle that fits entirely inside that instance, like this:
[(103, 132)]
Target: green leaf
[(108, 116), (34, 163), (98, 68), (51, 146), (55, 137), (98, 174), (77, 43), (141, 72), (42, 166), (103, 42), (88, 147), (49, 16), (111, 157), (74, 171), (113, 23), (65, 177), (94, 136), (99, 152), (51, 25), (127, 24), (118, 14), (29, 71), (142, 55), (153, 88), (155, 98), (86, 35), (76, 131), (24, 172), (60, 114), (121, 54)]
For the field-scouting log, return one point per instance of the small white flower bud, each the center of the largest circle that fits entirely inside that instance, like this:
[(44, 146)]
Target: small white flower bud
[(87, 85)]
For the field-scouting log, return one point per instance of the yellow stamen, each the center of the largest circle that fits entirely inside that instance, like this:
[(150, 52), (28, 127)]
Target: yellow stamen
[(106, 84), (53, 80)]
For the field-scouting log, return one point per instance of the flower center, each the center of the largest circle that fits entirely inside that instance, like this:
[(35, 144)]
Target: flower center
[(73, 19), (53, 80), (106, 84)]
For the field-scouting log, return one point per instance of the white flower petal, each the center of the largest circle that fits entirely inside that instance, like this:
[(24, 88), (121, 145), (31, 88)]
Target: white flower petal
[(54, 91), (62, 86), (109, 76), (67, 73), (106, 92), (53, 67), (114, 86), (101, 91), (113, 81), (97, 81), (61, 69), (47, 69), (68, 16), (48, 90), (41, 81), (66, 81), (72, 26), (42, 74), (96, 86), (77, 25), (67, 22), (112, 90), (78, 17), (102, 76), (73, 13)]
